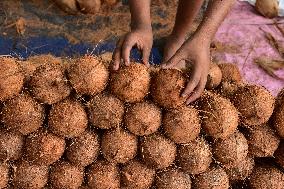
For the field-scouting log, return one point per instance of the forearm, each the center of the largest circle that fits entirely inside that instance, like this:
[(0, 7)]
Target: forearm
[(216, 12), (186, 13), (140, 13)]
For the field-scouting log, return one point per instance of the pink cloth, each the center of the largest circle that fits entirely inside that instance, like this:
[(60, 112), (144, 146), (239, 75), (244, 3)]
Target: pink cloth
[(242, 29)]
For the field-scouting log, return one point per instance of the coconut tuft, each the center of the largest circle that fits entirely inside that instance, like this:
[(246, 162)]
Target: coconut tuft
[(157, 151), (84, 149), (137, 175), (143, 118), (214, 76), (131, 83), (105, 111), (119, 146), (172, 179), (213, 178), (232, 150), (48, 84), (182, 125), (43, 148), (23, 114), (65, 175), (219, 116), (88, 75), (11, 79), (29, 176), (67, 118), (194, 157), (103, 175), (254, 103), (167, 86), (4, 175)]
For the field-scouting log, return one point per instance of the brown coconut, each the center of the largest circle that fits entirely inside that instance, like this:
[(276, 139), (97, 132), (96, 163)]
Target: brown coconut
[(214, 76), (143, 118), (219, 116), (119, 146), (29, 176), (64, 175), (136, 174), (84, 149), (215, 178), (278, 117), (69, 6), (172, 179), (88, 75), (89, 6), (48, 84), (254, 103), (43, 148), (182, 125), (194, 157), (131, 83), (105, 111), (228, 89), (241, 171), (262, 141), (157, 151), (279, 154), (110, 2), (266, 178), (67, 118), (230, 73), (11, 78), (11, 145), (103, 175), (23, 114), (232, 150), (167, 86), (4, 175), (268, 8)]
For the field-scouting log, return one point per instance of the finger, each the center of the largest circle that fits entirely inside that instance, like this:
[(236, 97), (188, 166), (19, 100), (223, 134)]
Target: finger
[(197, 92), (146, 55), (193, 81), (126, 48), (116, 57), (174, 60)]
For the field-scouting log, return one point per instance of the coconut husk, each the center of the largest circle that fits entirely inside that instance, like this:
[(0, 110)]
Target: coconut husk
[(4, 175), (270, 66), (268, 8)]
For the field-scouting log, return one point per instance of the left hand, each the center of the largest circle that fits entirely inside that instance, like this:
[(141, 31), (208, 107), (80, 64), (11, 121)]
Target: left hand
[(195, 51)]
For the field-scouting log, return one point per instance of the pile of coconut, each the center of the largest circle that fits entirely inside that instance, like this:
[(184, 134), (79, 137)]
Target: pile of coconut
[(78, 124)]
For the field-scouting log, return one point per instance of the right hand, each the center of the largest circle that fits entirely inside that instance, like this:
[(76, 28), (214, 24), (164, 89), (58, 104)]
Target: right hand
[(142, 38)]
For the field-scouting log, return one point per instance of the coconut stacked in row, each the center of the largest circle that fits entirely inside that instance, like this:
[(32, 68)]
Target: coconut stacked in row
[(75, 124)]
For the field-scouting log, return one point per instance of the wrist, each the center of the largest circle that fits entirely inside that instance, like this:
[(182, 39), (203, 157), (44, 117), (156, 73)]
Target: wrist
[(141, 25)]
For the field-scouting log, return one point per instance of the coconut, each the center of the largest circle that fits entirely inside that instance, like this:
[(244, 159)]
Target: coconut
[(11, 78), (103, 175), (167, 86), (230, 73), (266, 178), (279, 154), (232, 150), (67, 118), (213, 178), (69, 6), (143, 118), (241, 171), (219, 116), (4, 175), (119, 146), (43, 148), (110, 2), (11, 145), (157, 151), (194, 157), (268, 8), (278, 117), (23, 114), (105, 111), (29, 176), (137, 175), (214, 77), (65, 175), (262, 141), (48, 84), (182, 125), (228, 89), (88, 75), (84, 149), (89, 6), (255, 104), (172, 179), (130, 83), (106, 58)]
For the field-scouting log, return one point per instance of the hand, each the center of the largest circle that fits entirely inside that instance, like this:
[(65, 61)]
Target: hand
[(142, 38), (196, 52)]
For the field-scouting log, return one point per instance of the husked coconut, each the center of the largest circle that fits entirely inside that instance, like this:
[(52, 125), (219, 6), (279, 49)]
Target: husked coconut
[(89, 6), (214, 76)]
